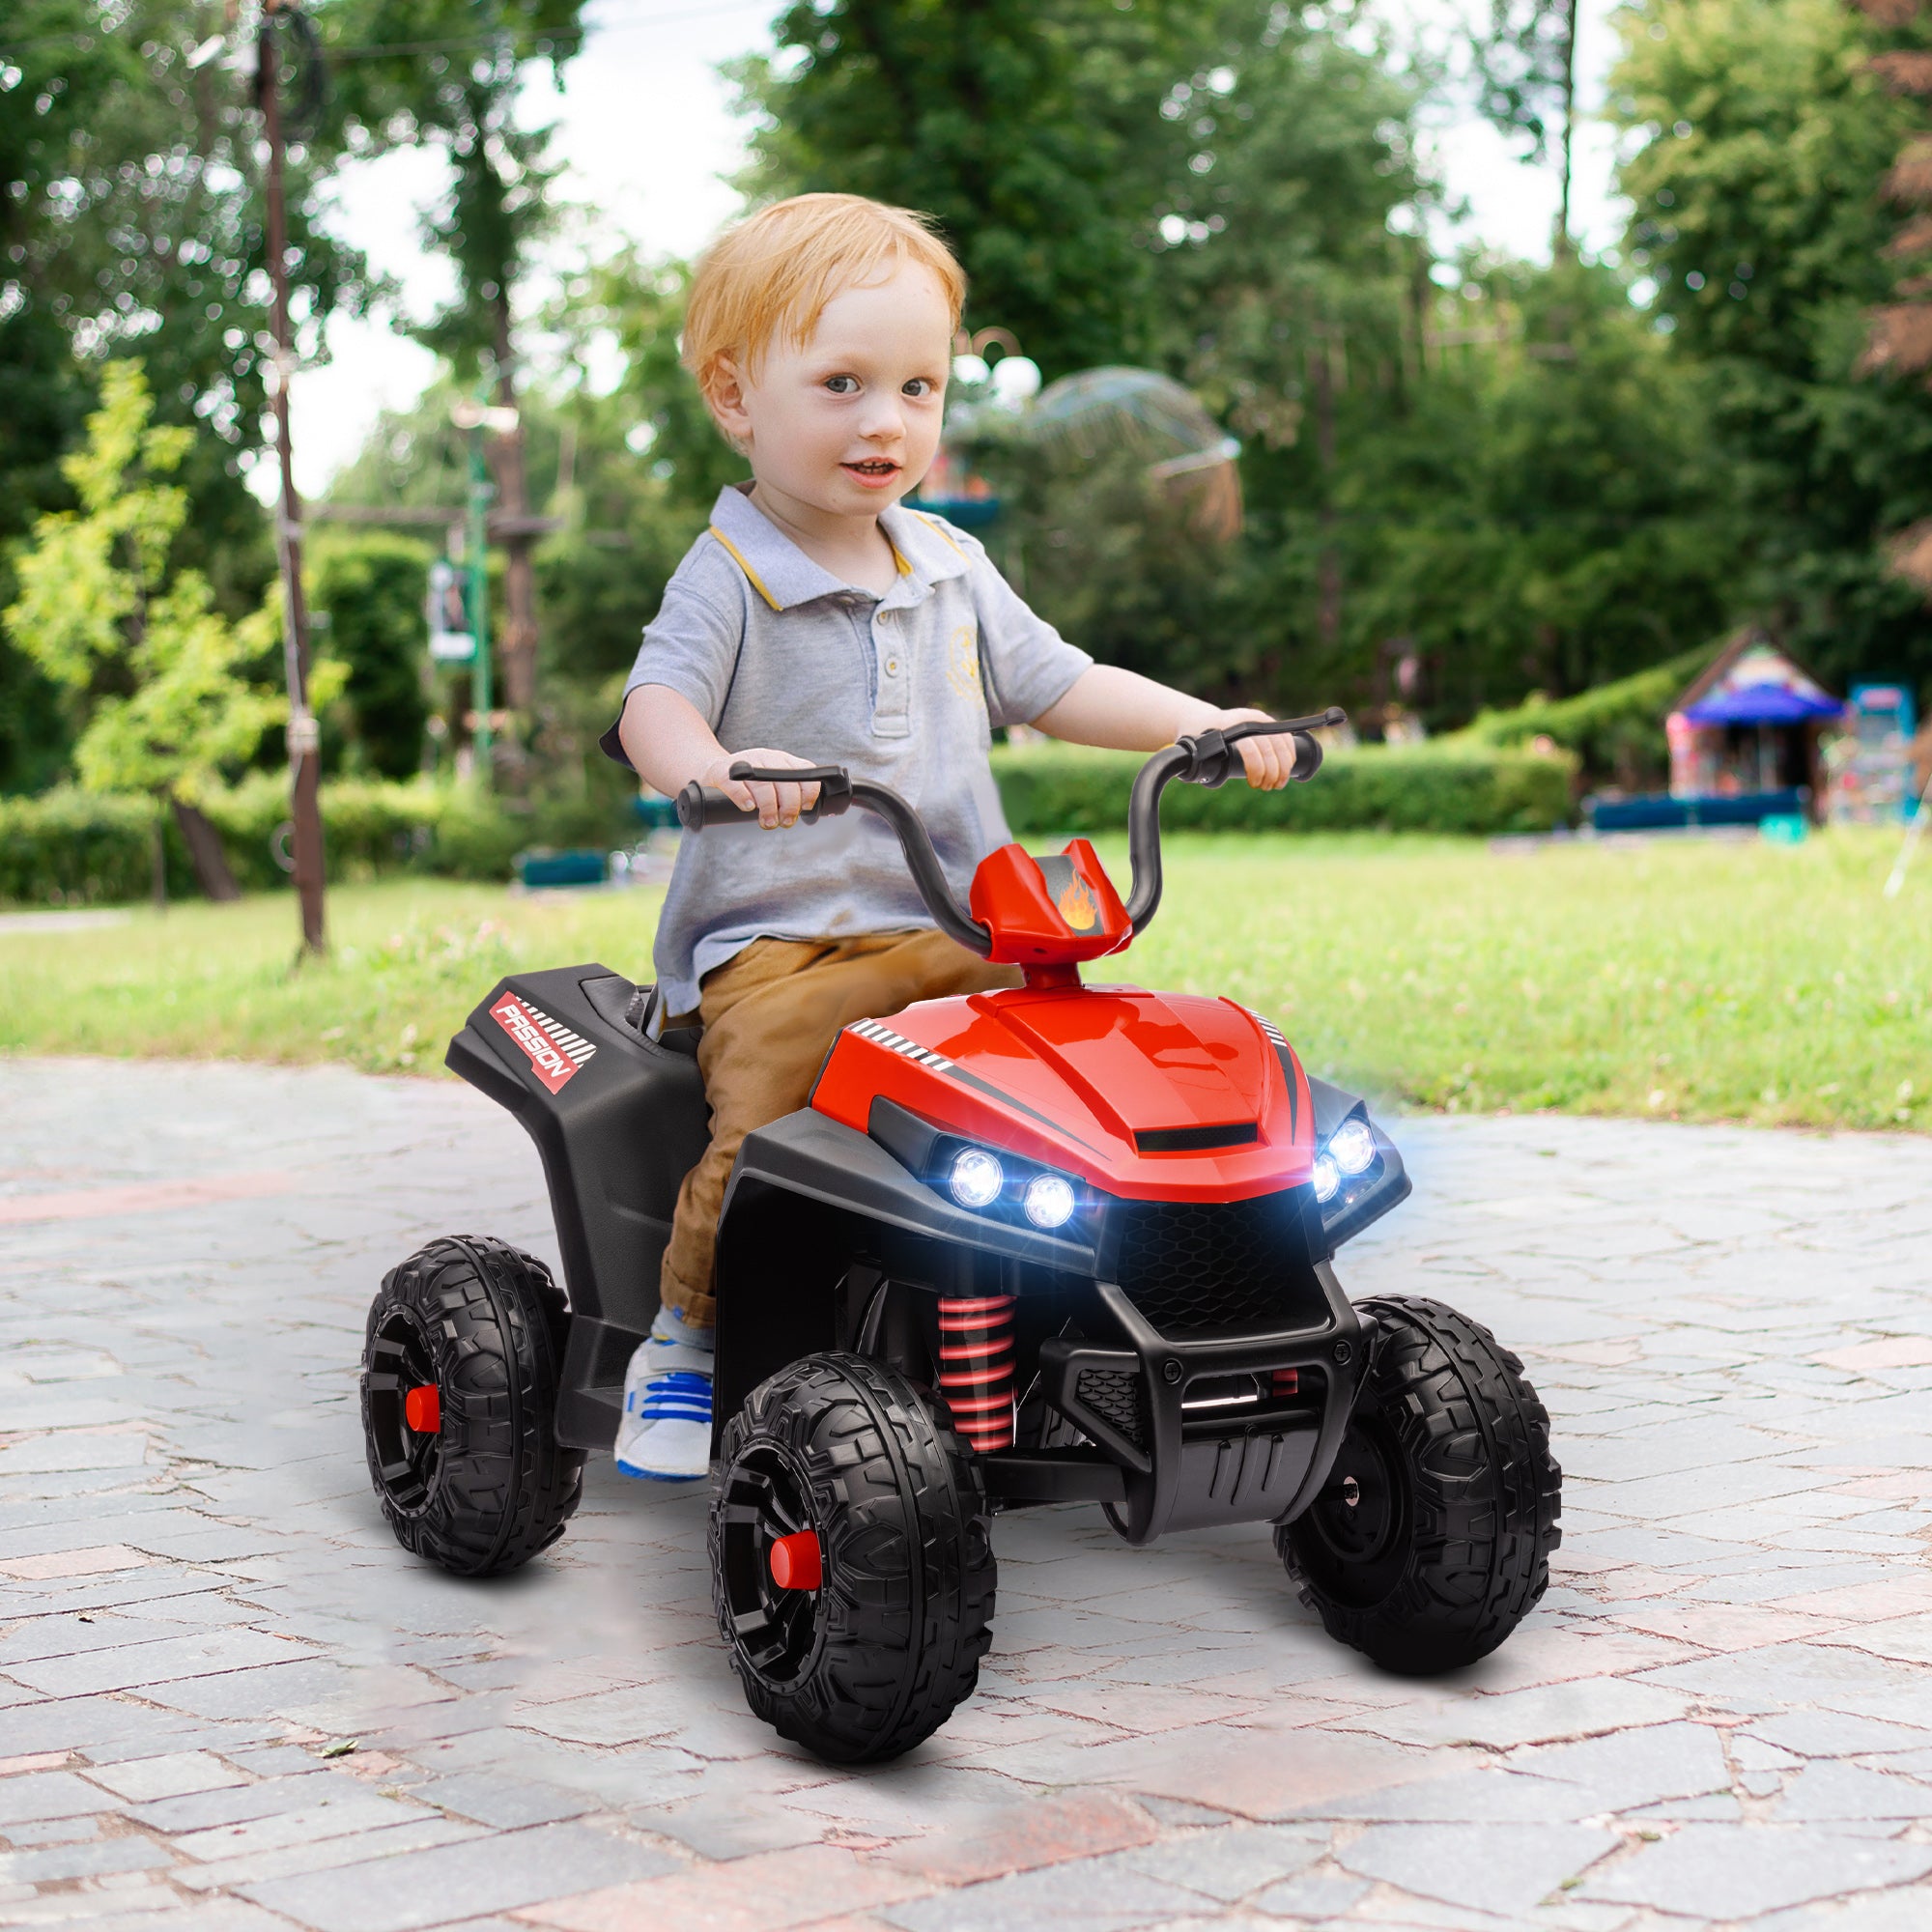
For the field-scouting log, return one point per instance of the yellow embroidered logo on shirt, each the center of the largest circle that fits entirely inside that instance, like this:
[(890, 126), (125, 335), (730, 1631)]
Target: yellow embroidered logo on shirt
[(963, 660)]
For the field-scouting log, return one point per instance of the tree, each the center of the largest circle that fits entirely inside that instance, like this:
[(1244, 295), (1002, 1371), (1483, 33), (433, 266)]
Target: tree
[(104, 613), (1027, 127), (373, 586), (1759, 215), (129, 218), (449, 73), (1526, 76), (1551, 515)]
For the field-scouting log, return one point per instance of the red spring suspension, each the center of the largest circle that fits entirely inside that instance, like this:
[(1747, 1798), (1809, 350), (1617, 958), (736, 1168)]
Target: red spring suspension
[(976, 1367)]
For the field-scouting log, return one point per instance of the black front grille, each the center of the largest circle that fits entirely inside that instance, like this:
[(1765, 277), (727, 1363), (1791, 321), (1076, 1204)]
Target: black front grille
[(1197, 1268), (1114, 1397)]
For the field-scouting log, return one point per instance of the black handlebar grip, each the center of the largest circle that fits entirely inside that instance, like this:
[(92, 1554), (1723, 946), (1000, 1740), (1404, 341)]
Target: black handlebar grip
[(697, 808)]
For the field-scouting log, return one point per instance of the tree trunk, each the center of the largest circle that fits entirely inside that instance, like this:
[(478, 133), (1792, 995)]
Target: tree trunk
[(204, 847), (1562, 248), (518, 652), (157, 863), (1328, 566)]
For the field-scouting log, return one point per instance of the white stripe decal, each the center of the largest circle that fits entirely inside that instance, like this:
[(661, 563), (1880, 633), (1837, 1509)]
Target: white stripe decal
[(573, 1044), (884, 1036)]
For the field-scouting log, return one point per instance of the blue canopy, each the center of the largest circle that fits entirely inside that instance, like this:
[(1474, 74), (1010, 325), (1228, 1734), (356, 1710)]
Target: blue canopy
[(1762, 704)]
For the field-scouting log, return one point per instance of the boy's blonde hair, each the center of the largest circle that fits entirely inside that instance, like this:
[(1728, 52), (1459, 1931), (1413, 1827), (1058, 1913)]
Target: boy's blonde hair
[(776, 271)]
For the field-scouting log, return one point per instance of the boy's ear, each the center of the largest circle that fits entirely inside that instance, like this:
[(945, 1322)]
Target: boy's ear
[(724, 395)]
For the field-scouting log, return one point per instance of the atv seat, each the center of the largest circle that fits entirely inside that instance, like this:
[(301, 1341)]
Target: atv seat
[(644, 1013)]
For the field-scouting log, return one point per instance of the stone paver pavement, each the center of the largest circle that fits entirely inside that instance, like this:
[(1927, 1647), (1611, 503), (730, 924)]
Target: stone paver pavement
[(1722, 1714)]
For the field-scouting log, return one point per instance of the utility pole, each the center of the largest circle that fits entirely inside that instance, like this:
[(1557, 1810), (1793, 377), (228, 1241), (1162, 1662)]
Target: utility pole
[(477, 417), (304, 736)]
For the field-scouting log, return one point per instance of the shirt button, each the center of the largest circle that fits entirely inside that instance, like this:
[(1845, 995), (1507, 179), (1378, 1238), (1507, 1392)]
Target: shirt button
[(892, 667)]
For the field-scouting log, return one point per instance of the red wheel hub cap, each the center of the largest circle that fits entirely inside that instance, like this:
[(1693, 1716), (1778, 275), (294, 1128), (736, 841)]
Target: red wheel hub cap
[(796, 1562)]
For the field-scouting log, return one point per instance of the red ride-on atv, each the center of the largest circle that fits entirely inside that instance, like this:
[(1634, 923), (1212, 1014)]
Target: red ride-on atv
[(1063, 1243)]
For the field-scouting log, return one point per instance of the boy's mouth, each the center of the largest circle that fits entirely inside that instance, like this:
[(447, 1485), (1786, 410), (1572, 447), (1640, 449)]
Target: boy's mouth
[(873, 472)]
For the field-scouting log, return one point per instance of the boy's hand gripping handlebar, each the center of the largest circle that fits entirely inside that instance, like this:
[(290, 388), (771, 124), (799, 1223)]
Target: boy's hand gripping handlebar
[(697, 808), (839, 791), (1207, 758)]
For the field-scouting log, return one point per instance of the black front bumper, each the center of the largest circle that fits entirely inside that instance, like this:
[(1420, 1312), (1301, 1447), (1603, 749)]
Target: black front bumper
[(809, 1197), (1197, 1448)]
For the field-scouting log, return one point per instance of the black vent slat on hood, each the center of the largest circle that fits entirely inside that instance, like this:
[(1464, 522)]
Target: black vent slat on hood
[(1196, 1140)]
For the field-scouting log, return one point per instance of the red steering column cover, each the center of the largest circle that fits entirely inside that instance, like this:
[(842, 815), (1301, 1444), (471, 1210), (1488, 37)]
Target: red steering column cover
[(1154, 1096), (1048, 911)]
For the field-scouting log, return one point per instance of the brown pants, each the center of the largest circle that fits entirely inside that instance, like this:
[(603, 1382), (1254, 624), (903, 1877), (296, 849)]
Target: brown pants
[(770, 1017)]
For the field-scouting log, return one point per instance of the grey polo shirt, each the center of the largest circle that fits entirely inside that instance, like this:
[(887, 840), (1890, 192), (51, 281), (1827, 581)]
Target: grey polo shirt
[(904, 690)]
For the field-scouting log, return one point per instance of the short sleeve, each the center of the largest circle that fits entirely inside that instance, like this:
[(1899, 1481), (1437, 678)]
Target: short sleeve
[(691, 645), (1029, 666)]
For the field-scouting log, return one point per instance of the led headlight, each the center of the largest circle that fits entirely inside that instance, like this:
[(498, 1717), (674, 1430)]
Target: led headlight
[(1351, 1147), (977, 1177), (1050, 1201), (1326, 1177)]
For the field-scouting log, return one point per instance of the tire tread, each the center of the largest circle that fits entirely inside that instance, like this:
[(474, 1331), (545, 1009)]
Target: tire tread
[(1485, 1493)]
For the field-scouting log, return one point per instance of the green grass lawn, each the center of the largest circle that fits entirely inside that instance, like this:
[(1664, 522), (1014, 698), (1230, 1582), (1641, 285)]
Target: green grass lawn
[(1689, 980)]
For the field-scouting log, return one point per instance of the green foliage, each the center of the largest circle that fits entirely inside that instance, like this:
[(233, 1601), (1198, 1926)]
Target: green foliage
[(1052, 788), (101, 611), (373, 586), (1028, 128), (1552, 514), (71, 847), (1616, 731), (448, 75), (130, 216), (1758, 215)]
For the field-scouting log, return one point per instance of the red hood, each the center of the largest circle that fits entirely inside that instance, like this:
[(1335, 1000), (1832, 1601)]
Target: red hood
[(1081, 1078)]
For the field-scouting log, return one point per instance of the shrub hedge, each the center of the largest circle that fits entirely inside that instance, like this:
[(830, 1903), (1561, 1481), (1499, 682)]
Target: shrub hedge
[(1615, 729), (1052, 788), (69, 847)]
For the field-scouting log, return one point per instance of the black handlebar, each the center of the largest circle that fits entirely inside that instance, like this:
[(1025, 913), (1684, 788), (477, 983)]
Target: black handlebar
[(1207, 758), (839, 791)]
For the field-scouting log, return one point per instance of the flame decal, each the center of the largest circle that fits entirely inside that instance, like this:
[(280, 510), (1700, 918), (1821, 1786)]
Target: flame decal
[(1077, 906)]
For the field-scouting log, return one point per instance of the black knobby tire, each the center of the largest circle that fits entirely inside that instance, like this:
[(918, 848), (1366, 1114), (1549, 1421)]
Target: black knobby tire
[(1431, 1539), (875, 1659), (485, 1324)]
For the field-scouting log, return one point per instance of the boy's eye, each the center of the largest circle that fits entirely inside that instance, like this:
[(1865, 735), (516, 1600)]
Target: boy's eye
[(842, 386), (919, 386)]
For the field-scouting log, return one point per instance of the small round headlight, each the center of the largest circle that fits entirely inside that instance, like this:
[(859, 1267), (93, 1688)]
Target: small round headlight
[(1049, 1201), (977, 1177), (1326, 1177), (1353, 1145)]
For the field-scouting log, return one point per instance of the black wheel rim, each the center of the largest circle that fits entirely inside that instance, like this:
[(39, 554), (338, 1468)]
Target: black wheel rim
[(407, 1459), (773, 1631), (1355, 1534)]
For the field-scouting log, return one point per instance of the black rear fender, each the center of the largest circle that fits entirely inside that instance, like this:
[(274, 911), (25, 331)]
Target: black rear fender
[(619, 1119)]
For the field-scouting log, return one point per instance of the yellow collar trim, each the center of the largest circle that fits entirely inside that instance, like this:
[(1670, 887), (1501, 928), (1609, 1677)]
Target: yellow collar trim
[(756, 582), (939, 530)]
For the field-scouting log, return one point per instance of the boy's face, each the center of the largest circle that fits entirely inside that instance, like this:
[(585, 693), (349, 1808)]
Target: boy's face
[(847, 422)]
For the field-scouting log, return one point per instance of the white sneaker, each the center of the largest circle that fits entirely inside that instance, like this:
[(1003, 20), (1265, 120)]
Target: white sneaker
[(665, 1433)]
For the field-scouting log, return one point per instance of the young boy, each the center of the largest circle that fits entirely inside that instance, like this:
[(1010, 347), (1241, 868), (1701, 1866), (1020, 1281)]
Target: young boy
[(818, 622)]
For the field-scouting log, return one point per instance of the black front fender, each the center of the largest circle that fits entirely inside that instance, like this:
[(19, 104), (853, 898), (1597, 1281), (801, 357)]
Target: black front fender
[(808, 1198)]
